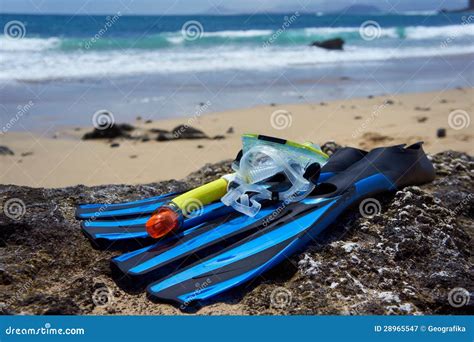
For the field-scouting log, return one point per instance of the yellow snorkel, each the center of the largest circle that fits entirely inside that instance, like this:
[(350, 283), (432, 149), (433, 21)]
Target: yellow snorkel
[(170, 217)]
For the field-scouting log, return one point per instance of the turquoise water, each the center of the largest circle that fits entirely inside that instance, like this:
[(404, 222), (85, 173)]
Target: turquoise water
[(64, 47), (164, 66)]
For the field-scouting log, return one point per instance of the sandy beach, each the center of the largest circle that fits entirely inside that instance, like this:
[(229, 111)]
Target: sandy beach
[(66, 160)]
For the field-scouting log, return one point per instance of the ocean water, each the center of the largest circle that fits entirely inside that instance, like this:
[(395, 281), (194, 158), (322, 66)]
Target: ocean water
[(63, 47), (154, 60)]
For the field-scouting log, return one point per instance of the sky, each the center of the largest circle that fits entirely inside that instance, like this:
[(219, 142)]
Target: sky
[(211, 6)]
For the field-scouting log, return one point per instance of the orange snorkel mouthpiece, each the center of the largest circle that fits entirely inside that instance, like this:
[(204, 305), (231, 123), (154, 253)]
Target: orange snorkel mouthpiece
[(163, 221)]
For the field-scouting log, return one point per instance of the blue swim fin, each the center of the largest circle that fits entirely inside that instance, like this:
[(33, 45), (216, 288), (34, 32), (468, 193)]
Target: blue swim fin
[(136, 269), (131, 232), (122, 225), (243, 253), (114, 211)]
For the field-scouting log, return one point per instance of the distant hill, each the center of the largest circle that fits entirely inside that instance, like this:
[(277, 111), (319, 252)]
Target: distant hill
[(361, 9), (312, 9)]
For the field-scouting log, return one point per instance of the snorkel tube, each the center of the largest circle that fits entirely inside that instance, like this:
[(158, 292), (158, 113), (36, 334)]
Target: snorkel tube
[(266, 168), (170, 217)]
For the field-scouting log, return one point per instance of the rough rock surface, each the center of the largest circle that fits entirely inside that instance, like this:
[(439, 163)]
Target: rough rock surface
[(404, 260)]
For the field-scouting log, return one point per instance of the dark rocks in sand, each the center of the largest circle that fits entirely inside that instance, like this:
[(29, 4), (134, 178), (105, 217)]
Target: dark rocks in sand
[(115, 131), (200, 146), (443, 101), (370, 265), (357, 117), (126, 127), (370, 96), (323, 104), (272, 104), (389, 102), (26, 154), (6, 151), (182, 132), (148, 121), (375, 138), (422, 119), (422, 109), (230, 130), (133, 156), (188, 132), (114, 145), (145, 138), (158, 130), (330, 44), (218, 137), (165, 136), (441, 132)]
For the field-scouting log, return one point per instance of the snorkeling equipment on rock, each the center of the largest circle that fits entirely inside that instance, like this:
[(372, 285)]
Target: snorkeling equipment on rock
[(137, 269), (219, 257), (220, 248), (266, 169)]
